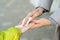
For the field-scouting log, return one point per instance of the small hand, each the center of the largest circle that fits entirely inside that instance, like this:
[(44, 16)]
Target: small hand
[(26, 28)]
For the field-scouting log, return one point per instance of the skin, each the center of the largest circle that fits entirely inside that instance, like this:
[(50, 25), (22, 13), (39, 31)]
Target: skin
[(26, 28), (37, 23), (35, 13), (40, 23)]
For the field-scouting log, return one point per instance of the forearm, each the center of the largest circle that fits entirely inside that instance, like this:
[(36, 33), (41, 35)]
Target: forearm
[(11, 34), (14, 33)]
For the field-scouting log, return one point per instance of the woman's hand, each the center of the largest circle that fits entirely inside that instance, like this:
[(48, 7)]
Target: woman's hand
[(33, 14), (40, 23)]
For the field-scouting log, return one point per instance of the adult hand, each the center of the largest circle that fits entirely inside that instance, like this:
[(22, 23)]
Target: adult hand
[(40, 23), (37, 12)]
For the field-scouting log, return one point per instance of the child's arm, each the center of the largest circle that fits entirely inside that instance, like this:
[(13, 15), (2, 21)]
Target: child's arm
[(11, 34), (14, 33)]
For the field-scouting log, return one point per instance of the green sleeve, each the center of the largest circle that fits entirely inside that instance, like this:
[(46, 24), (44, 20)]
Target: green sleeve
[(11, 34)]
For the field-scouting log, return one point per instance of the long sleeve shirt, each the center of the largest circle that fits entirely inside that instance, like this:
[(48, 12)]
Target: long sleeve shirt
[(11, 34)]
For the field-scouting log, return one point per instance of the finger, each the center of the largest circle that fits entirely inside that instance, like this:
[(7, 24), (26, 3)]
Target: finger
[(24, 21)]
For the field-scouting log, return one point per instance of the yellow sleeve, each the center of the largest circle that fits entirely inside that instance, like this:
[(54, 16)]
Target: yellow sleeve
[(11, 34)]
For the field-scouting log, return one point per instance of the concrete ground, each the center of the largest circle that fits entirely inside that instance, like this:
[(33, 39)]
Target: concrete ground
[(13, 11)]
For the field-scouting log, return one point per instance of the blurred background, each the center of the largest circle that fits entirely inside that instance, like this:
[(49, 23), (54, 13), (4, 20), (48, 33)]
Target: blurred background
[(13, 11)]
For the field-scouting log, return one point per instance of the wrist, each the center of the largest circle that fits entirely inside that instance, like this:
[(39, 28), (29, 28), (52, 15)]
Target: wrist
[(19, 27), (43, 9), (40, 9), (22, 28)]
